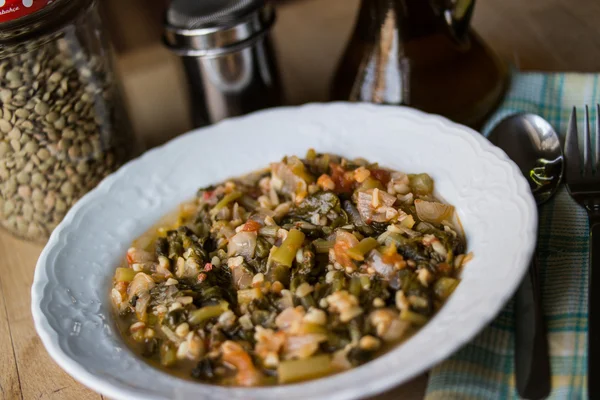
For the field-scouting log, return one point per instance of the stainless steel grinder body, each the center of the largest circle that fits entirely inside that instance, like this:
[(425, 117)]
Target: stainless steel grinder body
[(227, 55)]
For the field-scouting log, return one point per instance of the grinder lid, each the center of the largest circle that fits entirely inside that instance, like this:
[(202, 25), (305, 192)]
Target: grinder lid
[(203, 28), (197, 14)]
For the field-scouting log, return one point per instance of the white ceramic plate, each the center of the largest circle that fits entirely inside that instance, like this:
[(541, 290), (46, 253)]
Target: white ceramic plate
[(70, 294)]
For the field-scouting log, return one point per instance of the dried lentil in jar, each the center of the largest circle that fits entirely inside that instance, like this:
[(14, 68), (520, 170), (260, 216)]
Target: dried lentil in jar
[(62, 122)]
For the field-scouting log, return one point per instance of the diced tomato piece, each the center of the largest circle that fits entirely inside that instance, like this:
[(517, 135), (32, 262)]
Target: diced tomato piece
[(392, 259), (444, 268), (207, 195), (343, 242), (234, 354), (381, 175), (326, 182), (390, 255), (251, 226), (344, 182)]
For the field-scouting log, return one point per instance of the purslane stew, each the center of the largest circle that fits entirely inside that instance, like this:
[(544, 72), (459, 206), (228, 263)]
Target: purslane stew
[(306, 268)]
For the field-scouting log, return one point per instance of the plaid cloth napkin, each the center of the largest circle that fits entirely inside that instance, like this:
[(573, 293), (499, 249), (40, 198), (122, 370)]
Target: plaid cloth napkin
[(484, 368)]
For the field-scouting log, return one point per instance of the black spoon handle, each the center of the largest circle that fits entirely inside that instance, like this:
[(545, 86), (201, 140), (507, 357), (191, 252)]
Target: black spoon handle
[(532, 363)]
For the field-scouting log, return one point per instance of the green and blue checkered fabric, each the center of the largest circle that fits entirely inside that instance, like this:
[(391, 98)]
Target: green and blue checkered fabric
[(484, 369)]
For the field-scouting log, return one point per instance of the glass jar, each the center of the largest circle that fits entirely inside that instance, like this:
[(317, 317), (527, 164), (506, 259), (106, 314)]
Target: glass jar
[(63, 126)]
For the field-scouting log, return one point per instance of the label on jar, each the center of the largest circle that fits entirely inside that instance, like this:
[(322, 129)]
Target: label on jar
[(14, 9)]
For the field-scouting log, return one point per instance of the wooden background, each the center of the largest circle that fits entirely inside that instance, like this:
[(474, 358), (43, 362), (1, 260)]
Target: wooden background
[(310, 35), (548, 35)]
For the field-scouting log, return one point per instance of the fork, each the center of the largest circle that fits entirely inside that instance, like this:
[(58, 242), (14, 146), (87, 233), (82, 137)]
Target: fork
[(583, 184)]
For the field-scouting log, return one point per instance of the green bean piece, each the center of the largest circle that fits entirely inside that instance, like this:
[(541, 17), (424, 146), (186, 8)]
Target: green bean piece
[(335, 341), (262, 248), (301, 370), (124, 274), (248, 202), (355, 333), (421, 184), (311, 154), (279, 273), (339, 282), (322, 246), (247, 295), (168, 354), (285, 254), (202, 229), (175, 249), (299, 169), (370, 183), (323, 162), (395, 238), (355, 286), (413, 317), (152, 319), (260, 317), (308, 327), (444, 287), (205, 313), (296, 281), (225, 201), (269, 230), (308, 301), (363, 247), (365, 282), (327, 230), (187, 242)]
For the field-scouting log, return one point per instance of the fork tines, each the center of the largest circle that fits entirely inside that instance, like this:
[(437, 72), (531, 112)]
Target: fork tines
[(591, 164)]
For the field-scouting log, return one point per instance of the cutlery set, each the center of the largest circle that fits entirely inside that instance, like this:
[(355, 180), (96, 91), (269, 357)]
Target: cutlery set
[(532, 144)]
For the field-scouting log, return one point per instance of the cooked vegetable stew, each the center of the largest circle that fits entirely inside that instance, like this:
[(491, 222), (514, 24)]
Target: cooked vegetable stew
[(309, 267)]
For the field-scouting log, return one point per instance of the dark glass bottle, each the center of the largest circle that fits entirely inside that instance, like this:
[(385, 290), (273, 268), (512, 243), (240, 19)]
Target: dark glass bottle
[(421, 53)]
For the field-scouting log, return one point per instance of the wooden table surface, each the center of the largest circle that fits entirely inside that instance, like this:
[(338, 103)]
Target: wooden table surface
[(544, 35)]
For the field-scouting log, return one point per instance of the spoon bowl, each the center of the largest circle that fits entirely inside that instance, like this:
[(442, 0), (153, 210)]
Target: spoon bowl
[(531, 142)]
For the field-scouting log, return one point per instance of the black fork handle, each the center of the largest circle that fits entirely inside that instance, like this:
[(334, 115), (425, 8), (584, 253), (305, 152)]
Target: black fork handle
[(532, 362), (594, 308)]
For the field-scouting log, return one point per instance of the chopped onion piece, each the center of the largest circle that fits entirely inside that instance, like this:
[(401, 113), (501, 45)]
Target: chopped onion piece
[(434, 212)]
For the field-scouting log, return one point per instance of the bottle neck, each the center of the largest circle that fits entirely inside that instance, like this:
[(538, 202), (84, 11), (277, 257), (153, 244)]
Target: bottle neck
[(413, 18)]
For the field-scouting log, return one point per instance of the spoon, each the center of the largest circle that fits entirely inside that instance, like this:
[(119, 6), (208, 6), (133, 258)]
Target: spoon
[(531, 142)]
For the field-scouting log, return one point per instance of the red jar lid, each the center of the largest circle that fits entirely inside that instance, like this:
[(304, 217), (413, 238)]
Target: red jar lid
[(14, 9)]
